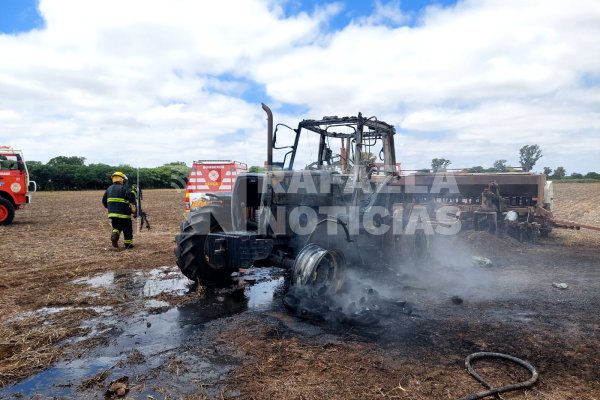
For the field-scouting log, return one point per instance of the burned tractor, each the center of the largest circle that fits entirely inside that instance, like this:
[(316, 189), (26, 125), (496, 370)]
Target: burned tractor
[(337, 210), (349, 206)]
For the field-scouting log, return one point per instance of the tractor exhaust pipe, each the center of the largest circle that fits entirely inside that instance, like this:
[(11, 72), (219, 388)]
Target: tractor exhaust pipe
[(269, 136)]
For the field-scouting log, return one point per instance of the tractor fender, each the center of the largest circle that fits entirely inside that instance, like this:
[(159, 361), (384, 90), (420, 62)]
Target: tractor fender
[(327, 220), (219, 214)]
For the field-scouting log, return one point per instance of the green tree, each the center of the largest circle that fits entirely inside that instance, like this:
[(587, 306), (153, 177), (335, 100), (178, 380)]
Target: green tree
[(440, 164), (559, 173), (529, 155), (592, 175), (547, 171), (500, 166), (63, 160), (34, 164), (71, 173), (39, 172), (98, 175), (477, 169)]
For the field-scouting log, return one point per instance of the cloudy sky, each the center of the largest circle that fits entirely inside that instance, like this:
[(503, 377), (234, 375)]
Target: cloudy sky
[(145, 82)]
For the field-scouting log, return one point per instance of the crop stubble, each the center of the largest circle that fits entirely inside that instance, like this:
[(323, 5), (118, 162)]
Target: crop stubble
[(65, 235)]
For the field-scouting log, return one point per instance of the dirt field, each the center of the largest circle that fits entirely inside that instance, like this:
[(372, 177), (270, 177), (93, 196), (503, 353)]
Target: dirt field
[(77, 314)]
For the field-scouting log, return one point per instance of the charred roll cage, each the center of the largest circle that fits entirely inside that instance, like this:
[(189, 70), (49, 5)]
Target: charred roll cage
[(342, 209), (358, 140)]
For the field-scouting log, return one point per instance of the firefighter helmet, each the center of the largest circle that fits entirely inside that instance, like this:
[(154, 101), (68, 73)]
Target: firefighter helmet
[(118, 176)]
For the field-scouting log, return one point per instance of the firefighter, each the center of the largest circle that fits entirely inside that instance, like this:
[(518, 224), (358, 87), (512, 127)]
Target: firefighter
[(120, 203)]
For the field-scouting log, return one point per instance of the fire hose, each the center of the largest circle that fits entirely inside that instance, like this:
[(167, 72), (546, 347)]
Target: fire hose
[(507, 388)]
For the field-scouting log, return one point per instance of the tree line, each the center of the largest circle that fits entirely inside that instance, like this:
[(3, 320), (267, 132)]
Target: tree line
[(529, 155), (72, 173)]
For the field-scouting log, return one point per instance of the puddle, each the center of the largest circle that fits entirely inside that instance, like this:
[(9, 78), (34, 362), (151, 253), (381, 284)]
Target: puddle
[(261, 285), (152, 283), (102, 280), (261, 295), (158, 339), (159, 335), (165, 281)]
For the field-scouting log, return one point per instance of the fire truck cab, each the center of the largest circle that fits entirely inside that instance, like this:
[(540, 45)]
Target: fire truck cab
[(15, 186)]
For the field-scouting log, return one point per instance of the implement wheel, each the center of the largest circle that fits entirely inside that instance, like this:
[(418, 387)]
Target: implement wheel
[(191, 249), (7, 212)]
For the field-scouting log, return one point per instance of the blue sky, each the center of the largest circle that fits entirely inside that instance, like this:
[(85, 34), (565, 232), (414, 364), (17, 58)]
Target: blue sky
[(353, 10), (19, 16), (470, 81)]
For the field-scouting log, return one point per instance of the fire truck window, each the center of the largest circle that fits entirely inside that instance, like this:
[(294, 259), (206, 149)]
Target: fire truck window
[(8, 162)]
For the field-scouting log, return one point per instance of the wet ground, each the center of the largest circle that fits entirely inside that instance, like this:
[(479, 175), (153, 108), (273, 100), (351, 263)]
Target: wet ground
[(448, 309), (78, 314), (162, 349)]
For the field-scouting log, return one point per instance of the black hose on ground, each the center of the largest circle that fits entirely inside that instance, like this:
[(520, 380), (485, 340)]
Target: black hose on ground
[(507, 388)]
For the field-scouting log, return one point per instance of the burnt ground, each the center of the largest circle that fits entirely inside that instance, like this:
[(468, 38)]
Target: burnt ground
[(77, 314)]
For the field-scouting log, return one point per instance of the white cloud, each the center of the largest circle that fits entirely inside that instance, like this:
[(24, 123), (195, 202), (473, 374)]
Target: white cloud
[(385, 13), (493, 75), (147, 82)]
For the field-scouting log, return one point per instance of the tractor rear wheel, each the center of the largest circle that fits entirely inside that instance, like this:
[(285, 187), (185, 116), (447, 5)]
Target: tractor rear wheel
[(7, 212), (191, 249)]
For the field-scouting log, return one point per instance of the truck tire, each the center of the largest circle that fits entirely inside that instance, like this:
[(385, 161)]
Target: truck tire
[(190, 250), (7, 212)]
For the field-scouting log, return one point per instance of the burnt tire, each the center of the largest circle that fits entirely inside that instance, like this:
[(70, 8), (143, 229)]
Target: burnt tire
[(7, 212), (190, 250)]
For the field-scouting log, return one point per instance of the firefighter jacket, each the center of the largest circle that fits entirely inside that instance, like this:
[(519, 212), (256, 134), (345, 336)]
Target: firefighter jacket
[(118, 200)]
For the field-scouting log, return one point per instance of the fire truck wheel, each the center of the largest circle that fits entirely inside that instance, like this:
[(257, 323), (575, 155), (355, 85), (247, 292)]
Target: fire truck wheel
[(190, 250), (7, 212)]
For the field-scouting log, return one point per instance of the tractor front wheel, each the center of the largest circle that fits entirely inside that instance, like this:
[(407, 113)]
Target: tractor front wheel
[(7, 212), (319, 270), (191, 249)]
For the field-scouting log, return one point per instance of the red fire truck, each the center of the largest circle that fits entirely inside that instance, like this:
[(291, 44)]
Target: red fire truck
[(15, 186), (211, 182)]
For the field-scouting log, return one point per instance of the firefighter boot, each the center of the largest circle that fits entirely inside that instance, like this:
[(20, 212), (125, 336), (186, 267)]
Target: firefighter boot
[(114, 238)]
